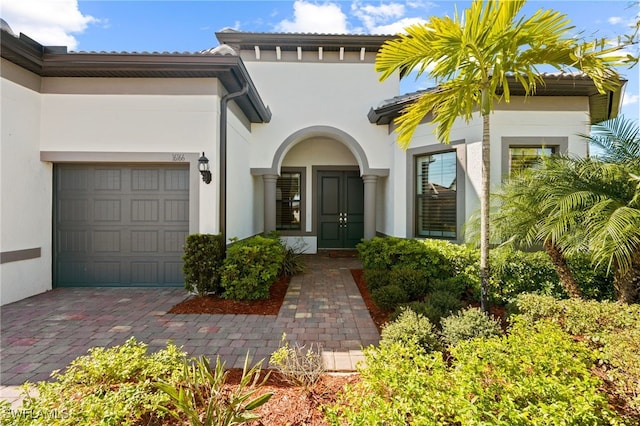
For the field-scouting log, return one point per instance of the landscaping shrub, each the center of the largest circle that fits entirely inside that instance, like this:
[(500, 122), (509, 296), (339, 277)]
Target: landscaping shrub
[(611, 329), (535, 375), (250, 268), (203, 257), (298, 364), (414, 282), (391, 252), (595, 281), (411, 328), (441, 304), (292, 263), (389, 297), (200, 396), (376, 278), (112, 386), (456, 286), (514, 272), (468, 324)]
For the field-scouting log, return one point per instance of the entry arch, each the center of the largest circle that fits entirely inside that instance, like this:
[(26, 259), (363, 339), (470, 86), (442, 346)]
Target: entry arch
[(369, 175)]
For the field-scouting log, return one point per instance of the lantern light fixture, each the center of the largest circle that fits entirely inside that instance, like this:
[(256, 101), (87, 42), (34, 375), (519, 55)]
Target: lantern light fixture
[(203, 167)]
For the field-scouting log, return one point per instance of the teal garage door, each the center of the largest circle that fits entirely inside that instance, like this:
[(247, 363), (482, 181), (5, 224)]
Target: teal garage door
[(119, 225)]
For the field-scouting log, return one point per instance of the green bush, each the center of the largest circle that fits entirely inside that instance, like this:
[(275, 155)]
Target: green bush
[(611, 329), (514, 272), (442, 303), (456, 286), (376, 278), (535, 375), (595, 281), (112, 386), (414, 282), (391, 252), (389, 297), (203, 257), (468, 324), (250, 268), (411, 328)]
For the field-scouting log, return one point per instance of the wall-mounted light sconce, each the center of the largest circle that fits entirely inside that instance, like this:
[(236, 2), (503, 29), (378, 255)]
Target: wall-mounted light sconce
[(203, 167)]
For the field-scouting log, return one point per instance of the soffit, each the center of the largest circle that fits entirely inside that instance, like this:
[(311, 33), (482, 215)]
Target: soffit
[(57, 62)]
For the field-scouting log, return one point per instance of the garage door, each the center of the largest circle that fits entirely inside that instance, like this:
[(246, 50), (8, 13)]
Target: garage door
[(117, 225)]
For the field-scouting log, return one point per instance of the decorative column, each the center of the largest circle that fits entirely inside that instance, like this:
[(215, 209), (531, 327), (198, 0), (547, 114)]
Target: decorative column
[(269, 202), (370, 190)]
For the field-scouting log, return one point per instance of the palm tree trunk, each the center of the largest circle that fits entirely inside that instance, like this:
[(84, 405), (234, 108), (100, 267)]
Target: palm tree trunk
[(567, 280), (484, 212), (627, 285)]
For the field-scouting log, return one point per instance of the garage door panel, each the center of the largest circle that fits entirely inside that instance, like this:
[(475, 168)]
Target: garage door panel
[(107, 179), (144, 273), (74, 210), (145, 180), (174, 241), (107, 241), (176, 210), (121, 225), (107, 210), (107, 273), (145, 210), (175, 180), (144, 241), (72, 241)]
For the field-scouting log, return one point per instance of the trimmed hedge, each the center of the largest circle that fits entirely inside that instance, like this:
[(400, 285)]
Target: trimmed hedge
[(203, 258), (251, 266)]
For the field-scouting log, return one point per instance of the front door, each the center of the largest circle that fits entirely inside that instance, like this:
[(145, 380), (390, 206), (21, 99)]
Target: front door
[(340, 204)]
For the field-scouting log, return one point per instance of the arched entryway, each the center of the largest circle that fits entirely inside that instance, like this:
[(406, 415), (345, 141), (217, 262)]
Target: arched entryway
[(339, 187)]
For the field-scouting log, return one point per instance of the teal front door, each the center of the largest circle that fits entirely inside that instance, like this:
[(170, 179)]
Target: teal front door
[(340, 203)]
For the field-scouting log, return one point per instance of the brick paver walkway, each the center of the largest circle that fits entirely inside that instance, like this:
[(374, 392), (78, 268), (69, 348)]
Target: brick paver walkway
[(47, 331)]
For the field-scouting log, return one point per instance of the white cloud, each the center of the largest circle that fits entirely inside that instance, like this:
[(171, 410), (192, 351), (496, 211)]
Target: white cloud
[(614, 20), (314, 18), (397, 27), (630, 99), (49, 22), (387, 18)]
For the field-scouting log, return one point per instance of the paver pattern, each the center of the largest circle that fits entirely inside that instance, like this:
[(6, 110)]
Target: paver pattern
[(45, 332)]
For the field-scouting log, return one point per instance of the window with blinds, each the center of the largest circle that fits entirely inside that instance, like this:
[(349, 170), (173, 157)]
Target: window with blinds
[(524, 157), (288, 201), (436, 201)]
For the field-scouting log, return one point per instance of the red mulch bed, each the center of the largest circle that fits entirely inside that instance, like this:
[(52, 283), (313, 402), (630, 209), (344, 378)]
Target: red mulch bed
[(379, 316), (213, 304)]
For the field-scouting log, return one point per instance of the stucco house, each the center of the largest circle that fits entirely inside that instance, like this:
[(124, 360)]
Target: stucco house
[(100, 178)]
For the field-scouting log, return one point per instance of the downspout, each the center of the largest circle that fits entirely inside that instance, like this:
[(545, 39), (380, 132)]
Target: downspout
[(223, 160)]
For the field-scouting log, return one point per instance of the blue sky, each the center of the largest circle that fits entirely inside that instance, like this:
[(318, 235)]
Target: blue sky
[(152, 25)]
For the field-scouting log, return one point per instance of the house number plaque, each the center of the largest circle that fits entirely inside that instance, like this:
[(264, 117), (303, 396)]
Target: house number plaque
[(177, 157)]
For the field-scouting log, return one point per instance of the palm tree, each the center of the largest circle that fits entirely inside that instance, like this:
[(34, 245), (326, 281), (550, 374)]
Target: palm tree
[(619, 138), (471, 56), (601, 200), (520, 220)]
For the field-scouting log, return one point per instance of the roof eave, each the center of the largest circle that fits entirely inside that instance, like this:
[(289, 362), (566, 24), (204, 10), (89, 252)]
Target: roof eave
[(601, 106), (57, 62)]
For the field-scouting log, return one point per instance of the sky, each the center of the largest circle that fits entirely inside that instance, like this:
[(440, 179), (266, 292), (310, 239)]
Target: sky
[(189, 26)]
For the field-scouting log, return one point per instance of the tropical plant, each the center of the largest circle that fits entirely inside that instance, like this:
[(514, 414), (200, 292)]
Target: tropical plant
[(619, 138), (518, 222), (599, 201), (473, 57), (200, 396)]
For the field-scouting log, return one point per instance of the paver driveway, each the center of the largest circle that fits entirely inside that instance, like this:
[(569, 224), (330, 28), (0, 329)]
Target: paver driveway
[(45, 332)]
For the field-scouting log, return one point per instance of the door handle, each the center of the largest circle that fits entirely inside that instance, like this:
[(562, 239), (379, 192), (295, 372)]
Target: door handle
[(342, 220)]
